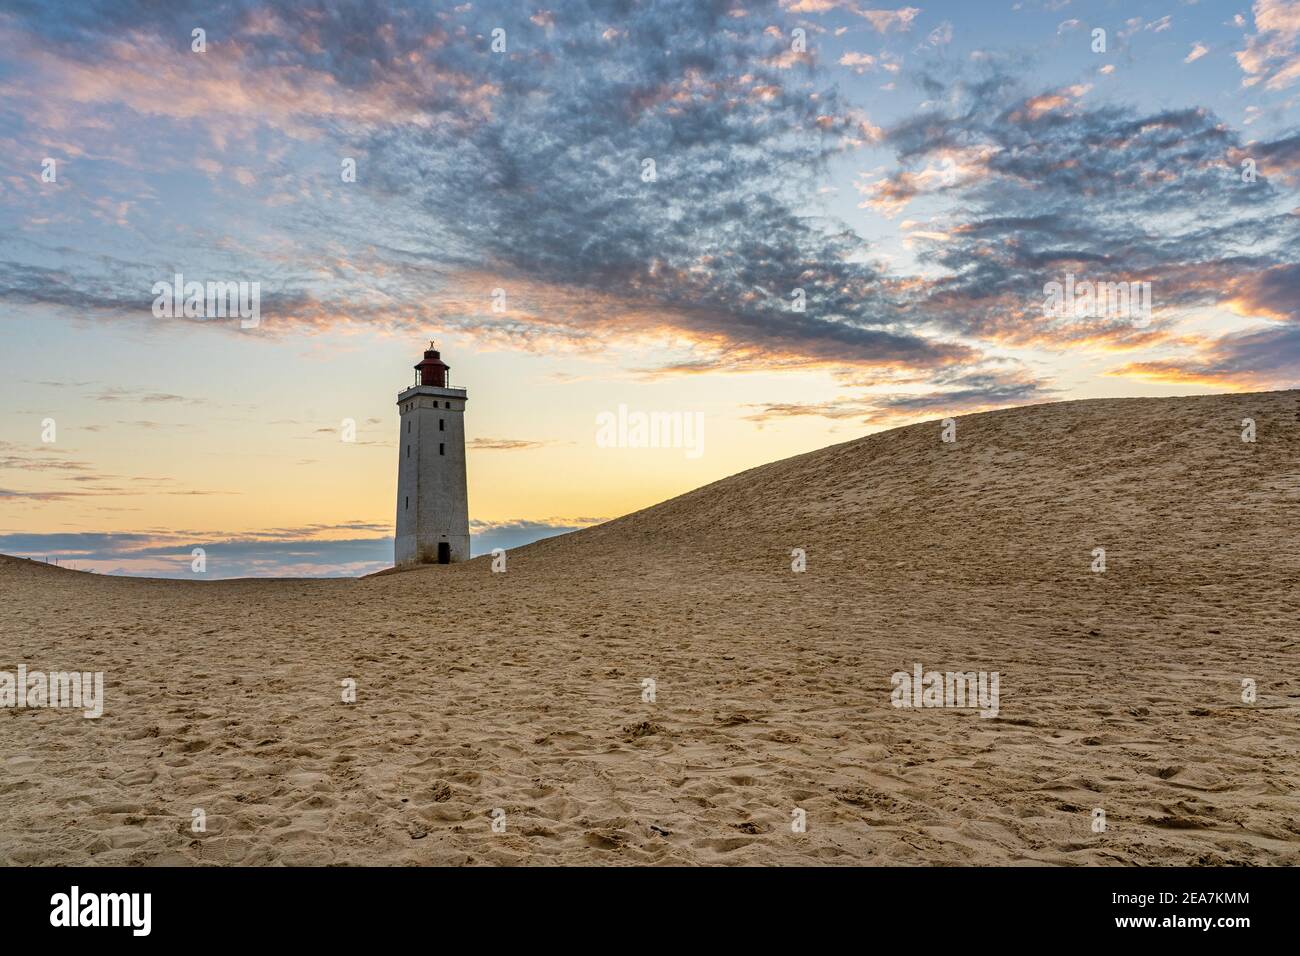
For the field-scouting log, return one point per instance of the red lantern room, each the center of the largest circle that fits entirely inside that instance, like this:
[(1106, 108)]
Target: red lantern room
[(433, 370)]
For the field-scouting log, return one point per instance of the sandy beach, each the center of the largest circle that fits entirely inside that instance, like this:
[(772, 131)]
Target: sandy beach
[(522, 691)]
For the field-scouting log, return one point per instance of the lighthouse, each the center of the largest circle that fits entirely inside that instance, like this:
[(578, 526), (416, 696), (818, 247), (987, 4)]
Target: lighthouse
[(432, 503)]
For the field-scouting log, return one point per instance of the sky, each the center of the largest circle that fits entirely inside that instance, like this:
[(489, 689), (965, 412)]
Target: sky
[(797, 222)]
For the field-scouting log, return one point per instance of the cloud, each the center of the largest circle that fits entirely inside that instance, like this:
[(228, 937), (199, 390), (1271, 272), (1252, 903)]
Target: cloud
[(882, 21), (1251, 360), (1048, 186), (962, 394), (19, 457), (1036, 107), (527, 171), (940, 35), (1257, 358), (550, 158), (886, 20), (1272, 54), (1198, 50), (1272, 293), (313, 551), (171, 555), (947, 170), (858, 62), (134, 487), (972, 393), (115, 393), (486, 535), (503, 444)]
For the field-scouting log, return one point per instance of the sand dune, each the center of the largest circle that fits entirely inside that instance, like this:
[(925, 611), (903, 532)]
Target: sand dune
[(523, 691)]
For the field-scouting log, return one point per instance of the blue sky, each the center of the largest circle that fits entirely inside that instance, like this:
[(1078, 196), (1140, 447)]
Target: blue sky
[(919, 172)]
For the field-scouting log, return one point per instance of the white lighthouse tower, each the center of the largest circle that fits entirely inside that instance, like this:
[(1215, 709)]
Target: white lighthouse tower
[(432, 502)]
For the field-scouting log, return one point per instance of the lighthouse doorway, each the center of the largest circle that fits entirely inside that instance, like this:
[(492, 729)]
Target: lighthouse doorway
[(444, 552)]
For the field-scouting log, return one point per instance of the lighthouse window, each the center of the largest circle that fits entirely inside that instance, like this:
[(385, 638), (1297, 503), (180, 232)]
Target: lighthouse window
[(442, 449), (408, 502), (446, 404), (408, 428), (408, 451), (442, 424)]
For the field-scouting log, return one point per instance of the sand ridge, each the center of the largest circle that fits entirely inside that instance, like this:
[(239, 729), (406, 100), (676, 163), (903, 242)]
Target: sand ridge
[(522, 691)]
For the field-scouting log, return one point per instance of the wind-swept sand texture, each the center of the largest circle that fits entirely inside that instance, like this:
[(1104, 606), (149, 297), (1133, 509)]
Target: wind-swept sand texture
[(522, 691)]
